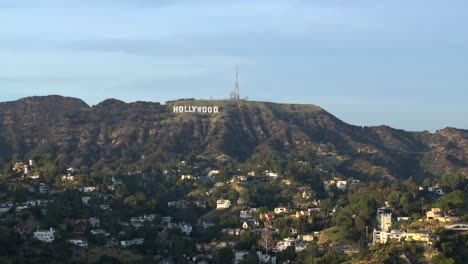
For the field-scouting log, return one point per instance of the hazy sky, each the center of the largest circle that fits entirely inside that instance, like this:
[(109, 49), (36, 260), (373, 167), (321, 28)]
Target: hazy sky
[(403, 63)]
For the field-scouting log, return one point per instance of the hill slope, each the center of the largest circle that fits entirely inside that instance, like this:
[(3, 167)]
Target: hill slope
[(116, 132)]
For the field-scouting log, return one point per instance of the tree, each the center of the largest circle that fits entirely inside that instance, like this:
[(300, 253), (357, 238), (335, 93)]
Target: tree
[(452, 201), (266, 239), (224, 255), (136, 200), (288, 254)]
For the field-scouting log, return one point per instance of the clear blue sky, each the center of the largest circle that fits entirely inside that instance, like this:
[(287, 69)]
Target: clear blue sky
[(403, 63)]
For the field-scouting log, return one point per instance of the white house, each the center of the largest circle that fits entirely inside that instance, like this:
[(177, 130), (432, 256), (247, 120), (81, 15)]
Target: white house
[(265, 258), (403, 218), (5, 207), (185, 228), (45, 235), (300, 246), (132, 242), (280, 210), (285, 243), (85, 200), (245, 214), (34, 177), (104, 207), (88, 189), (271, 174), (213, 172), (384, 218), (384, 236), (436, 189), (94, 222), (78, 242), (223, 204), (341, 185), (97, 231), (43, 188)]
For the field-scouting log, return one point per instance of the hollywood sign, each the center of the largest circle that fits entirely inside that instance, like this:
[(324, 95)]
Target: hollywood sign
[(195, 109)]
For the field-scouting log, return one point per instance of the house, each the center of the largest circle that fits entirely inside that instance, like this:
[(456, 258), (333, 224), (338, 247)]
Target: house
[(300, 246), (45, 235), (68, 178), (199, 204), (267, 217), (308, 238), (328, 183), (306, 194), (383, 236), (149, 217), (97, 232), (245, 214), (242, 178), (341, 185), (354, 182), (165, 220), (132, 242), (271, 174), (419, 235), (347, 249), (88, 189), (292, 231), (137, 222), (43, 188), (302, 213), (457, 227), (37, 202), (185, 228), (280, 210), (285, 243), (5, 207), (34, 177), (181, 204), (403, 218), (251, 173), (239, 255), (434, 214), (231, 231), (223, 204), (116, 181), (213, 172), (188, 177), (205, 224), (94, 222), (266, 258), (85, 200), (78, 242), (104, 207), (436, 189), (249, 224), (384, 218)]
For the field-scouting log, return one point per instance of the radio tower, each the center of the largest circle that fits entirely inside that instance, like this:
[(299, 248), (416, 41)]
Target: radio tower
[(235, 95)]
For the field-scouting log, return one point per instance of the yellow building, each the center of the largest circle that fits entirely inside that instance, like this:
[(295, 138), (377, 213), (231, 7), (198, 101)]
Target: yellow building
[(419, 235)]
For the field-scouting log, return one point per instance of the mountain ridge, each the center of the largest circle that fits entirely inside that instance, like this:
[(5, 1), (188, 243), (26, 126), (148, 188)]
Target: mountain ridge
[(114, 132)]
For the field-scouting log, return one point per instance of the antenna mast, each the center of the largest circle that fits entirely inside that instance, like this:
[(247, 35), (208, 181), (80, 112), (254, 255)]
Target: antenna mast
[(235, 95)]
